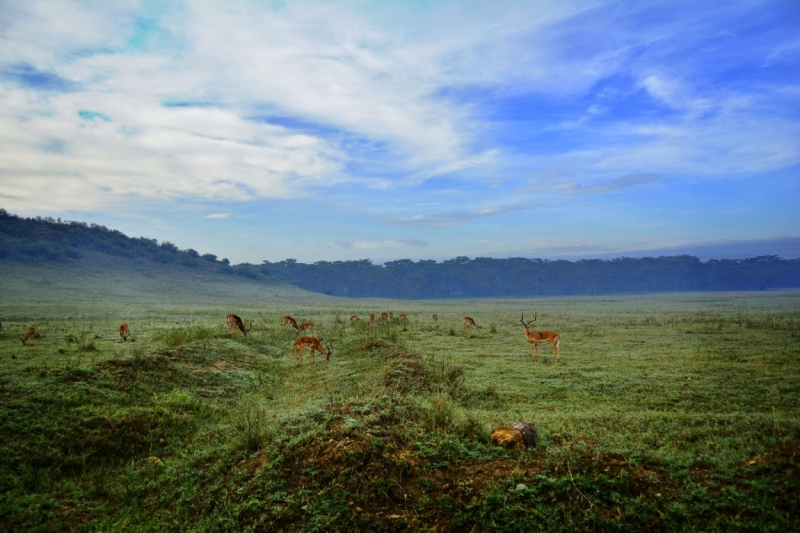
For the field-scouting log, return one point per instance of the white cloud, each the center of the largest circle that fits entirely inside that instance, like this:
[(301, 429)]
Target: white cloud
[(218, 216)]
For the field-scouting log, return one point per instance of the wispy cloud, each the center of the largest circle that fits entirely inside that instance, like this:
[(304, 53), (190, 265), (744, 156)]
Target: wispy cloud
[(581, 189), (448, 220), (379, 244), (218, 216)]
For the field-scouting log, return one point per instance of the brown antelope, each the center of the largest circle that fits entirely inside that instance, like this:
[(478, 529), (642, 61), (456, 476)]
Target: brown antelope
[(385, 317), (304, 326), (235, 324), (124, 332), (314, 346), (404, 319), (435, 317), (469, 322), (289, 320), (391, 315), (30, 335), (371, 320), (541, 337)]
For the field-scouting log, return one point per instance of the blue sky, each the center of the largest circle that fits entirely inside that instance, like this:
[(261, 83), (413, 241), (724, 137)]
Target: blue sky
[(386, 130)]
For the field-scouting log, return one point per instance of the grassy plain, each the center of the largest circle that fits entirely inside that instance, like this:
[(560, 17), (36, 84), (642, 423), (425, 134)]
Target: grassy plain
[(667, 412)]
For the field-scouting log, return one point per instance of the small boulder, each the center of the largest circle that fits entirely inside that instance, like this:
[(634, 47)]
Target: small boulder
[(529, 433)]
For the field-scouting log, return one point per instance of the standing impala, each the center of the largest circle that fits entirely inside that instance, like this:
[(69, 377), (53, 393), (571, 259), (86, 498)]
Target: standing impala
[(30, 335), (235, 323), (469, 322), (435, 317), (314, 346), (371, 320), (124, 332), (385, 317), (404, 319), (541, 337)]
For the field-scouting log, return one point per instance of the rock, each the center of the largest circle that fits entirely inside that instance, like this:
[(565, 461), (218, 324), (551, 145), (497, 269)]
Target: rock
[(529, 433), (521, 486)]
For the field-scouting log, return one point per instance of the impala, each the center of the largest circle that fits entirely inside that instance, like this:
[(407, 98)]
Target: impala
[(124, 332), (371, 319), (469, 322), (385, 317), (404, 319), (304, 326), (354, 318), (541, 337), (30, 335), (391, 315), (435, 317), (235, 323), (314, 346), (289, 320)]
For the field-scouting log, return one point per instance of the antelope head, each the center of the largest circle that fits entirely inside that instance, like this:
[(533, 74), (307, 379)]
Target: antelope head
[(522, 319)]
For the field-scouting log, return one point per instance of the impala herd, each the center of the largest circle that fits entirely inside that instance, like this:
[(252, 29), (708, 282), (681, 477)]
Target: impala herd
[(235, 324)]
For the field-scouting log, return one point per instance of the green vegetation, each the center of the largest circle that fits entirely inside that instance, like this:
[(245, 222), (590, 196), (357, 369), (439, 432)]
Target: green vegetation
[(667, 413), (518, 277)]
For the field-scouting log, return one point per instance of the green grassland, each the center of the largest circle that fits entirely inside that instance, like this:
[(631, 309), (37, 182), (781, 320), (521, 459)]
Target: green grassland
[(666, 413)]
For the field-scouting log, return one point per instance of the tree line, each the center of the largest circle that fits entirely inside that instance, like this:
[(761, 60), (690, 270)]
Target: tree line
[(45, 239), (520, 277)]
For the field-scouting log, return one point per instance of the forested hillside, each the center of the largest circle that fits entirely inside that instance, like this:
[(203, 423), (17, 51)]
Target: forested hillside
[(43, 240), (463, 277), (30, 240)]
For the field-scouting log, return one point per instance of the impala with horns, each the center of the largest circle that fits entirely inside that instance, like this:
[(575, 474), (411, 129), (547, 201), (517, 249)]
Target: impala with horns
[(235, 324), (305, 326), (541, 337), (314, 345), (470, 323), (124, 331), (404, 319), (30, 335), (289, 320)]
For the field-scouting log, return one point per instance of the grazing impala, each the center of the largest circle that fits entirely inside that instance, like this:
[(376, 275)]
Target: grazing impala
[(235, 324), (469, 322), (289, 320), (124, 332), (371, 320), (304, 326), (30, 335), (354, 318), (314, 346), (435, 317), (541, 337), (404, 319), (385, 317)]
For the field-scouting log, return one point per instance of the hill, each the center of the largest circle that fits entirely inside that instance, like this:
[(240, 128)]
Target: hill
[(44, 260)]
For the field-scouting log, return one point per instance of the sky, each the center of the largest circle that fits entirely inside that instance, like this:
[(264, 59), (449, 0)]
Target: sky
[(268, 130)]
